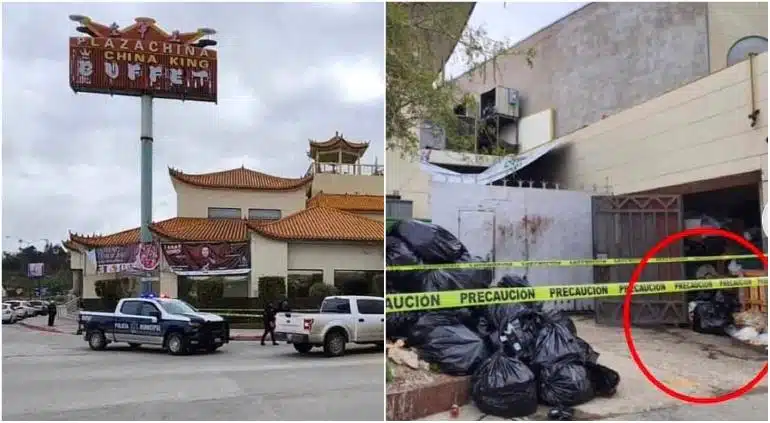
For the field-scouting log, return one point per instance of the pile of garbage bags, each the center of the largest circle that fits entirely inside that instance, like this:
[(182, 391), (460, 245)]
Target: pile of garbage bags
[(711, 311), (518, 354)]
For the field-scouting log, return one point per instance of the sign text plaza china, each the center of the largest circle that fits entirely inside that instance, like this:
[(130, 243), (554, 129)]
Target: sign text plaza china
[(142, 59)]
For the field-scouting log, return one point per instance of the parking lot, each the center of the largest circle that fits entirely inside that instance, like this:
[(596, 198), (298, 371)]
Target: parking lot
[(52, 376)]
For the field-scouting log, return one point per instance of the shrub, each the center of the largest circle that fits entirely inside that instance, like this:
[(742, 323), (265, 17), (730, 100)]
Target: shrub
[(321, 290), (209, 290), (271, 289), (378, 285)]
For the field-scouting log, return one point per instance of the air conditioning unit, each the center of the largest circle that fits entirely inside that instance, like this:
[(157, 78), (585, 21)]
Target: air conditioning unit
[(502, 101)]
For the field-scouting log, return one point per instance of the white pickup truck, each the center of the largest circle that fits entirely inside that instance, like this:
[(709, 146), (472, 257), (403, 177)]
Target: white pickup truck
[(341, 320)]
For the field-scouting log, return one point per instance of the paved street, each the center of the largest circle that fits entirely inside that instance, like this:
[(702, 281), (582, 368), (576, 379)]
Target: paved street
[(50, 376)]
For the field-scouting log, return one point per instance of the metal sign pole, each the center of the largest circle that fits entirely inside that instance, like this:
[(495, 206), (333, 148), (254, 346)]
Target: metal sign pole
[(146, 181)]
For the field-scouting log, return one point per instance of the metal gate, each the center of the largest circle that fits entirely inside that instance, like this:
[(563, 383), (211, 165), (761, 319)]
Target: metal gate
[(627, 227)]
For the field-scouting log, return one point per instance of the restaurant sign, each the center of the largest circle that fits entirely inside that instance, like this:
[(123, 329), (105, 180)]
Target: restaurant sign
[(142, 59), (226, 258), (127, 258)]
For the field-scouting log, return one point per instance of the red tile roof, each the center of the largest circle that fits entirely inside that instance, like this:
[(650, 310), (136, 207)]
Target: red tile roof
[(323, 224), (177, 229), (240, 179), (349, 202), (316, 223)]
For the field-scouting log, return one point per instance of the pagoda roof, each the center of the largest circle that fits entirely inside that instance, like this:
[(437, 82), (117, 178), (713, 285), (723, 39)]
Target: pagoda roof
[(337, 142), (240, 179)]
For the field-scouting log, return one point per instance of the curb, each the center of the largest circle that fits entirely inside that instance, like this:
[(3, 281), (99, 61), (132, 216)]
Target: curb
[(415, 403), (55, 330), (245, 337), (41, 328)]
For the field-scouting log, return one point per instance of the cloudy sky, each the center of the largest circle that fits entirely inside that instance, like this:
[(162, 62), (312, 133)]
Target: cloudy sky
[(513, 22), (286, 73)]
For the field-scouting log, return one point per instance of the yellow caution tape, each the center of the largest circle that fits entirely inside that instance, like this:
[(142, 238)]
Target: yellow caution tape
[(478, 297), (564, 263)]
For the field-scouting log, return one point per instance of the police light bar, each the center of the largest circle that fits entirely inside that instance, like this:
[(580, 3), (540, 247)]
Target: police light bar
[(149, 295)]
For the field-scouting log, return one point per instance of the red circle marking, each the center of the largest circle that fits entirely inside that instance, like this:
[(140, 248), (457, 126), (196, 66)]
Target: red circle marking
[(627, 316)]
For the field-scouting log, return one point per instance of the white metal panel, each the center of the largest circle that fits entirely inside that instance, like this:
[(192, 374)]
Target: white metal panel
[(476, 230), (529, 224)]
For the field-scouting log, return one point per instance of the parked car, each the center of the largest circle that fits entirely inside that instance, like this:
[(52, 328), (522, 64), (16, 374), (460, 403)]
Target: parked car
[(341, 320), (9, 315), (170, 323), (22, 310), (31, 310), (41, 307)]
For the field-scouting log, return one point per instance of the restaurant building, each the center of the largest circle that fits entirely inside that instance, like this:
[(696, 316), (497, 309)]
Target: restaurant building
[(236, 226)]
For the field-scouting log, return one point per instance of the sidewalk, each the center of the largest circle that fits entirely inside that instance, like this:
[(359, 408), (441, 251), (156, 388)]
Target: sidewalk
[(68, 325)]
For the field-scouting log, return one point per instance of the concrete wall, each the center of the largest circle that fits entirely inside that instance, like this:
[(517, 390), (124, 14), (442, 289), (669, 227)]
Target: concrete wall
[(193, 201), (728, 23), (335, 256), (405, 178), (604, 58), (269, 257), (332, 183), (700, 131)]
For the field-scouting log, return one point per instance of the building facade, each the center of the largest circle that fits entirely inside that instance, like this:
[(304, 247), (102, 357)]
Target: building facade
[(237, 226), (633, 97)]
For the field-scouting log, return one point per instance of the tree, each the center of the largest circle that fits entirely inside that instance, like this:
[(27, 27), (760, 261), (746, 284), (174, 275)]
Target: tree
[(57, 274), (418, 35)]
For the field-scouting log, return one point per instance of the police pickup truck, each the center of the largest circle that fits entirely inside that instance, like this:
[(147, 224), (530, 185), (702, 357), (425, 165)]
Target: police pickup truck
[(170, 323)]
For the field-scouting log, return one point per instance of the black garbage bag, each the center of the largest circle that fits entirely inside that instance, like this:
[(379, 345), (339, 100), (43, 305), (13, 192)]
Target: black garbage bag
[(504, 386), (589, 354), (455, 349), (427, 321), (397, 253), (565, 384), (561, 318), (604, 380), (561, 414), (513, 281), (711, 318), (555, 343), (481, 276), (451, 280), (398, 325), (431, 243), (519, 334)]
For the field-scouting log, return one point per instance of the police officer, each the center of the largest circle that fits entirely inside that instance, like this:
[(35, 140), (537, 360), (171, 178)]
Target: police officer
[(51, 312), (269, 323), (284, 307)]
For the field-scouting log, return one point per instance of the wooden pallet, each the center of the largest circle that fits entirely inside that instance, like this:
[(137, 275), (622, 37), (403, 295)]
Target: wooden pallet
[(754, 299)]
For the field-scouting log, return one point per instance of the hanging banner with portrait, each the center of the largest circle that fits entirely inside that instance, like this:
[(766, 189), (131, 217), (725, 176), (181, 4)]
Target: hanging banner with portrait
[(127, 258), (226, 258)]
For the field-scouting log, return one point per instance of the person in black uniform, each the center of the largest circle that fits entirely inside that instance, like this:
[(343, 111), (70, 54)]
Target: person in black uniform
[(51, 313), (269, 322), (284, 307)]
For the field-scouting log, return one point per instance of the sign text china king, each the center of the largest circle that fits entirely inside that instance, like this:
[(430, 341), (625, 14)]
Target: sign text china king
[(143, 59)]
